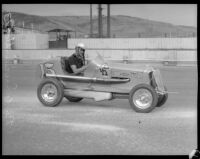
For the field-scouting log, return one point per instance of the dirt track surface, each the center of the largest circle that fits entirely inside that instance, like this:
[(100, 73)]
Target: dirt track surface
[(89, 127)]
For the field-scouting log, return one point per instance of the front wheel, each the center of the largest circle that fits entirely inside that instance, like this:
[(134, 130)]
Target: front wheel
[(143, 98), (50, 92)]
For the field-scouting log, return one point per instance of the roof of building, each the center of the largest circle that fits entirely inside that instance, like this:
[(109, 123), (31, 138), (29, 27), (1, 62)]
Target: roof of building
[(28, 29), (60, 30)]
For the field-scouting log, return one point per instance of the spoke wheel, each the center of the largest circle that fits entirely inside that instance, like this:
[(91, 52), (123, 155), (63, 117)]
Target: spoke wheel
[(143, 98), (50, 92)]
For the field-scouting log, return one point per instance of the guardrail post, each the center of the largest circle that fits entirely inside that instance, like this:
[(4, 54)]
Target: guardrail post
[(125, 59), (16, 60)]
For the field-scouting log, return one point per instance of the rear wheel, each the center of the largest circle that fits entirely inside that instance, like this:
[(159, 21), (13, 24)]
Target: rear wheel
[(73, 99), (50, 92), (143, 98)]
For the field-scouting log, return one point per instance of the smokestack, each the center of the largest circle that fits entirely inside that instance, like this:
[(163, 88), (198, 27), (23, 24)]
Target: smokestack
[(91, 23), (108, 20)]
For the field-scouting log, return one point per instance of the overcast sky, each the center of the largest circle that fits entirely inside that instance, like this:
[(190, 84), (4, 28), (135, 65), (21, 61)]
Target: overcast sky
[(178, 14)]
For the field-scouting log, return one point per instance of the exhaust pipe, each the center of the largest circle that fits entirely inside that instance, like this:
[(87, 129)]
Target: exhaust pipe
[(97, 96)]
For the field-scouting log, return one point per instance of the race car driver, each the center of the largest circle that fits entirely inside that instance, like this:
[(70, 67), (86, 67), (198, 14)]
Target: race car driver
[(76, 62)]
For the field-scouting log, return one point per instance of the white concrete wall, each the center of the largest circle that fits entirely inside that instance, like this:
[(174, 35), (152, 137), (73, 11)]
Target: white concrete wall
[(27, 41), (150, 49), (136, 43), (6, 42), (40, 41), (170, 55)]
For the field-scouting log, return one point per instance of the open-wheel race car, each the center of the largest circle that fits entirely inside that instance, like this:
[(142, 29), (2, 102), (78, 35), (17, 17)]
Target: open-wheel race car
[(102, 80)]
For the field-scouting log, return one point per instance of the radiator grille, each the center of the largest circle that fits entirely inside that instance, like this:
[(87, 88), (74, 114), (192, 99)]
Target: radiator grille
[(159, 80)]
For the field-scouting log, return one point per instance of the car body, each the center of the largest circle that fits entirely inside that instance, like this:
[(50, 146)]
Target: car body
[(102, 80)]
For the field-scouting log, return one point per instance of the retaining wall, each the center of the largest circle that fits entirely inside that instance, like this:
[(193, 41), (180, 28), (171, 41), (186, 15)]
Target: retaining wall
[(25, 41), (137, 50), (136, 43), (188, 57)]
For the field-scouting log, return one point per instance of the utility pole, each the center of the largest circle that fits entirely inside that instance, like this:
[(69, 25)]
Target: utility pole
[(91, 23), (100, 20), (32, 26), (23, 27), (108, 20)]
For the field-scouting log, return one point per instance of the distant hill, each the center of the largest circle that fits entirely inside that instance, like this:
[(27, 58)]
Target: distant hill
[(121, 26)]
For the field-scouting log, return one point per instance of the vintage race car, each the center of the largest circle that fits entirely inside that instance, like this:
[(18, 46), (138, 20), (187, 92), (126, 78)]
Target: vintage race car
[(102, 80)]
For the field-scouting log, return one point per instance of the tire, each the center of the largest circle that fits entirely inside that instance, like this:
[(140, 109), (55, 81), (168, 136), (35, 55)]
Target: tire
[(148, 94), (73, 99), (50, 92), (162, 99)]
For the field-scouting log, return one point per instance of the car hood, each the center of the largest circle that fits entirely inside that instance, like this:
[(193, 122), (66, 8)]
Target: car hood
[(100, 62), (130, 67)]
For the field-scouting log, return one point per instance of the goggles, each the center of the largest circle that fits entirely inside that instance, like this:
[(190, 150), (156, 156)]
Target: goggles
[(81, 49)]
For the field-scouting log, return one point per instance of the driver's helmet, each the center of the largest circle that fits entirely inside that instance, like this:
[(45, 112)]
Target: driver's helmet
[(80, 46)]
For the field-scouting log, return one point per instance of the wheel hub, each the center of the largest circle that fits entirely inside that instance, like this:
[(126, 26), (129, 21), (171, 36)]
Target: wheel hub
[(49, 92), (142, 98)]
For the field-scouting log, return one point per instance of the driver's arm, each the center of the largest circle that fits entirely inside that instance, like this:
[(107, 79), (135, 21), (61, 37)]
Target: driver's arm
[(78, 70)]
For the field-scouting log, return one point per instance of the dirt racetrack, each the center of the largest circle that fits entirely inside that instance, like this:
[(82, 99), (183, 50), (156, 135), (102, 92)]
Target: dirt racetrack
[(89, 127)]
